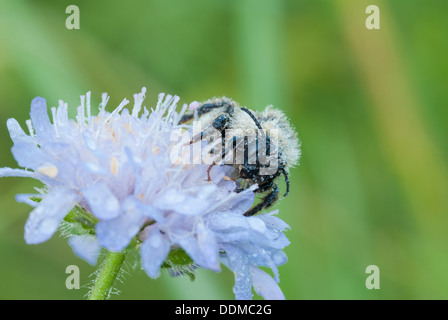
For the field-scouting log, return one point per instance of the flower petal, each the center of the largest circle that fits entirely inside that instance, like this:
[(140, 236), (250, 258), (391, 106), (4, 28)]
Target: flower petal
[(237, 203), (209, 247), (28, 155), (16, 132), (257, 224), (238, 263), (86, 247), (115, 234), (262, 256), (41, 122), (226, 221), (9, 172), (189, 243), (131, 203), (44, 220), (274, 222), (183, 203), (154, 251), (264, 285), (103, 203), (26, 198)]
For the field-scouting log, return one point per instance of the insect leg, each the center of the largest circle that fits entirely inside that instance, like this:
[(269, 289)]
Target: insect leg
[(208, 171), (264, 187), (267, 201)]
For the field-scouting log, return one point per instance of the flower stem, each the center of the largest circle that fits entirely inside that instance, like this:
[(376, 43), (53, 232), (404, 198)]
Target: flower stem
[(109, 271)]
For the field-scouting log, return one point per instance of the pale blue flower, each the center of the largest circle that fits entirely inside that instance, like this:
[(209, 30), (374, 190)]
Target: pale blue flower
[(116, 165)]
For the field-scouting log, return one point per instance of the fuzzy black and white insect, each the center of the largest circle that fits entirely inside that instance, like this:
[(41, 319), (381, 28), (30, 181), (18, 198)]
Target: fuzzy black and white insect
[(255, 143)]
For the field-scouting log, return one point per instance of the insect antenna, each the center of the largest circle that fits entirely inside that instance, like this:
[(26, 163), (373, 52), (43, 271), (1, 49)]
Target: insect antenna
[(253, 117)]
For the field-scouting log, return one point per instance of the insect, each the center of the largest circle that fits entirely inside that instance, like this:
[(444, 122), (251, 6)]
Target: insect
[(255, 139)]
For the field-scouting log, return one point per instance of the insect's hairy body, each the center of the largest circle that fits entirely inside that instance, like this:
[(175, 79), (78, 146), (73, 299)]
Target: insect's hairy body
[(250, 137)]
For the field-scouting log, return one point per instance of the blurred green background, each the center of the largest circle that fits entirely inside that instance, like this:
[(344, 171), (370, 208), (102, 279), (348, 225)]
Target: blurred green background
[(370, 107)]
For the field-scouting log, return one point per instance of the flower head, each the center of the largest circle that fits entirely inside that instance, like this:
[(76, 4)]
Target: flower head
[(109, 182)]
